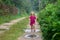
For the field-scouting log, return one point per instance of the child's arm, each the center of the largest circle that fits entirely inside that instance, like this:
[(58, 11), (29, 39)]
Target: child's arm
[(36, 18), (29, 18)]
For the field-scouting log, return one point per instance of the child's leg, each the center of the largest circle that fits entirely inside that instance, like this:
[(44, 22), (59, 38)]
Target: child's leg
[(34, 27), (31, 28)]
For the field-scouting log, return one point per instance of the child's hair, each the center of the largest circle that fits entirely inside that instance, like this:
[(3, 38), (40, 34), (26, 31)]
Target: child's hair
[(32, 13)]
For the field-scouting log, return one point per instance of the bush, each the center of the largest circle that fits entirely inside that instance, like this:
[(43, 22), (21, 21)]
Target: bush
[(49, 19)]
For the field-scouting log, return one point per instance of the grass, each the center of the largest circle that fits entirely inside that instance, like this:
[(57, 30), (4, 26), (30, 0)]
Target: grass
[(15, 31), (5, 19), (8, 18), (2, 29)]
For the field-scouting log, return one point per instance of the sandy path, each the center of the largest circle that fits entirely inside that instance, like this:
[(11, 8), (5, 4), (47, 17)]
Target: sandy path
[(6, 26), (28, 31)]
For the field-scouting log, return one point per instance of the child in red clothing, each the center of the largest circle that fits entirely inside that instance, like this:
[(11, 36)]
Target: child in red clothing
[(32, 21)]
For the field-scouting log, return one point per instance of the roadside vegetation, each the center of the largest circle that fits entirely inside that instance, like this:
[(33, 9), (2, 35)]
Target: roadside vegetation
[(49, 19), (15, 31)]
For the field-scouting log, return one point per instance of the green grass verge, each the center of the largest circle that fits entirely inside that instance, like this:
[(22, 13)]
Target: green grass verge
[(5, 19), (8, 18), (15, 31)]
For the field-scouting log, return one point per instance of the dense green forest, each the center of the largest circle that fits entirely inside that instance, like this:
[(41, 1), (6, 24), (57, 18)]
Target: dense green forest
[(12, 9), (17, 6), (49, 19)]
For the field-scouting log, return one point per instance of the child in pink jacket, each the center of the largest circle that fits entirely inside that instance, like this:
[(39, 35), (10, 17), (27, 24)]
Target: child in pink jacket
[(32, 21)]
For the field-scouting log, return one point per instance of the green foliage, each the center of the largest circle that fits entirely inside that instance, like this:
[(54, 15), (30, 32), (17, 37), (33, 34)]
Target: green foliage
[(43, 3), (8, 7), (49, 19), (8, 18)]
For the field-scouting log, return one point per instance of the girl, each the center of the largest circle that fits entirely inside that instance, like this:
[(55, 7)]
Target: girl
[(32, 21)]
